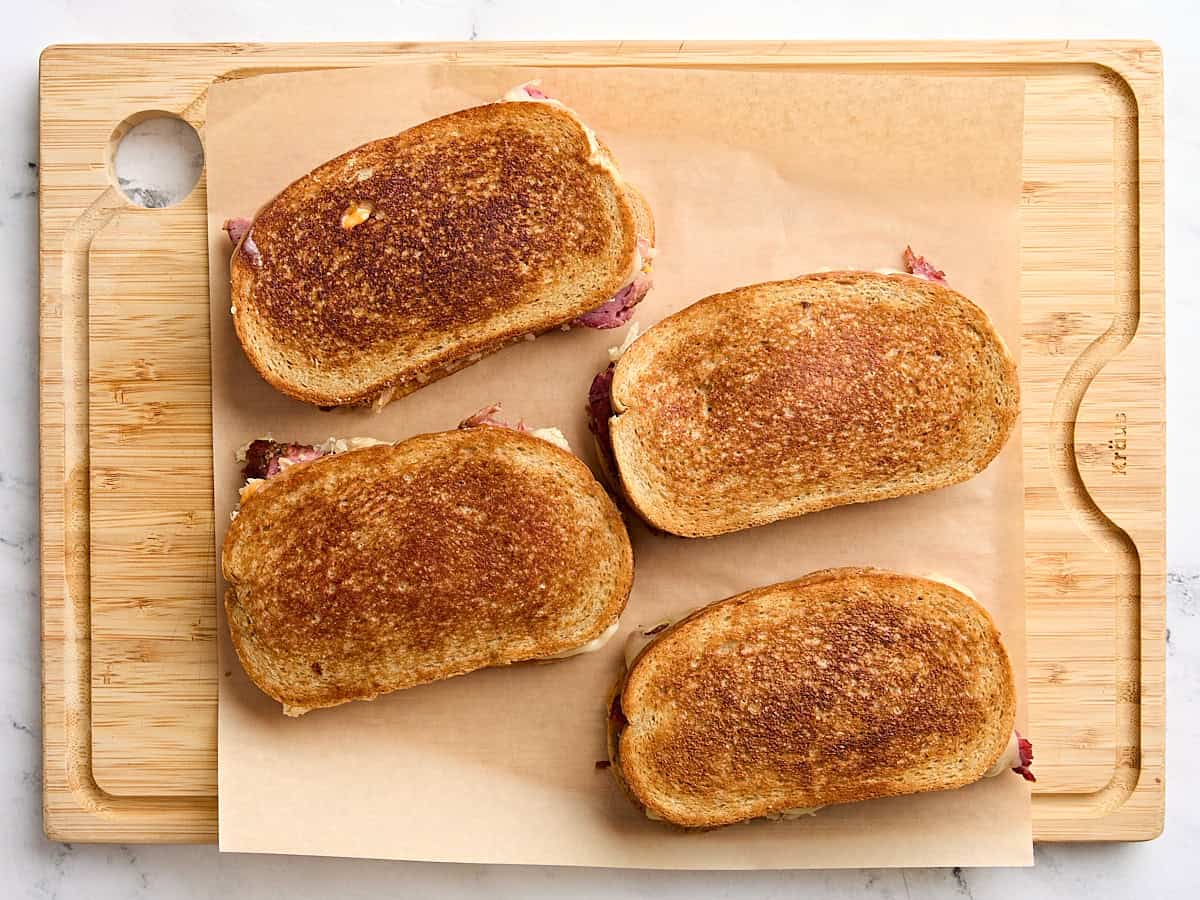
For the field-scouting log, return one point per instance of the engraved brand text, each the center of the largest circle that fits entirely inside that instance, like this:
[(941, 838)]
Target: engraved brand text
[(1118, 443)]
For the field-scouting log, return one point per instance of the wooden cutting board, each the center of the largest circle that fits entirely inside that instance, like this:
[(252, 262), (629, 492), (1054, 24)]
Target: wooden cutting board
[(128, 607)]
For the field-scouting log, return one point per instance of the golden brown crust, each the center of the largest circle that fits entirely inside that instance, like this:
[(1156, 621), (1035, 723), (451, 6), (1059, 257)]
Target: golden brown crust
[(486, 224), (780, 399), (846, 685), (387, 567)]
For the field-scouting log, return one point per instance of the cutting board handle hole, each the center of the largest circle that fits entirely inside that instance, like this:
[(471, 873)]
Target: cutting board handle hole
[(155, 159)]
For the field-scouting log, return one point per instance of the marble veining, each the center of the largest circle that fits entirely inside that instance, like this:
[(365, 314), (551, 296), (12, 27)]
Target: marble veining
[(31, 866)]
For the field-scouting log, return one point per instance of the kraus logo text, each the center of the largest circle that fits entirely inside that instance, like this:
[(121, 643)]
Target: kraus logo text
[(1118, 443)]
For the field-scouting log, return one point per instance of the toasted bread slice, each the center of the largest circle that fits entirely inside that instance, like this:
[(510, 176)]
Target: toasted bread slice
[(780, 399), (846, 685), (378, 569), (410, 257)]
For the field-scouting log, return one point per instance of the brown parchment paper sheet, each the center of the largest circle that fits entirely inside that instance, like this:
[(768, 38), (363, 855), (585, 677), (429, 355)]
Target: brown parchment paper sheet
[(752, 175)]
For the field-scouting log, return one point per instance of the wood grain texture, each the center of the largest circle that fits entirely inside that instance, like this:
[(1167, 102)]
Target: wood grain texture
[(129, 652)]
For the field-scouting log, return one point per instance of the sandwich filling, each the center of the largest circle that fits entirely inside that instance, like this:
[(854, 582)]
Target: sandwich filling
[(1017, 754), (600, 413), (593, 645), (238, 230), (599, 405), (264, 458), (488, 417), (922, 268), (617, 311)]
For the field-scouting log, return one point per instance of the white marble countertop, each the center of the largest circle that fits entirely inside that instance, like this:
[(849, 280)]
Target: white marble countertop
[(31, 866)]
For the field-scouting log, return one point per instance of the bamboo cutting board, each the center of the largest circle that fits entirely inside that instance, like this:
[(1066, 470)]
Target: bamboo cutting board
[(129, 614)]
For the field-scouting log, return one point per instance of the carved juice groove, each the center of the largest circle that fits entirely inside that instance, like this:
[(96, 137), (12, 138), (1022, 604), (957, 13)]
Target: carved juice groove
[(1078, 500), (148, 811)]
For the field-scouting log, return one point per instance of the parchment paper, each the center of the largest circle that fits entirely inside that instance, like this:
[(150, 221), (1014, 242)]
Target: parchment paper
[(752, 175)]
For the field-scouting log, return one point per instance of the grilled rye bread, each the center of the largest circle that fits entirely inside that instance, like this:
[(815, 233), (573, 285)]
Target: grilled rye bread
[(780, 399), (413, 256), (846, 685), (381, 568)]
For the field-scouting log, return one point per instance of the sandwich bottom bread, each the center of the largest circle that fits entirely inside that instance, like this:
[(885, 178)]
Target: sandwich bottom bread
[(846, 685), (359, 568)]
